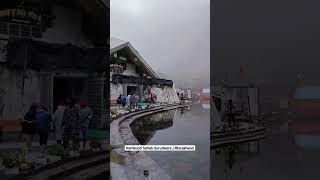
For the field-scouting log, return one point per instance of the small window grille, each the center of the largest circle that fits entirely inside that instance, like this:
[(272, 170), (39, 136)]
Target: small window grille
[(20, 30)]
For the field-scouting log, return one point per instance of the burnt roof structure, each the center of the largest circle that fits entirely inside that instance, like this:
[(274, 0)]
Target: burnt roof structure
[(125, 48), (96, 23), (41, 55)]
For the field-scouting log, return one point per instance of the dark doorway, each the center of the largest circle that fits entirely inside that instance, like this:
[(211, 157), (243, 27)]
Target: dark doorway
[(64, 87), (132, 89)]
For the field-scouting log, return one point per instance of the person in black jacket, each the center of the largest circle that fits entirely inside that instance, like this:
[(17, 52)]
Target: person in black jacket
[(231, 118), (28, 126)]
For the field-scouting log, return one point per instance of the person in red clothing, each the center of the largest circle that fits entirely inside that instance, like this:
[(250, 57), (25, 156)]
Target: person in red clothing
[(85, 115)]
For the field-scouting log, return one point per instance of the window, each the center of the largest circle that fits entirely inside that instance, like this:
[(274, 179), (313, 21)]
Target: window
[(25, 31), (4, 28), (20, 30), (14, 30), (36, 31), (123, 58)]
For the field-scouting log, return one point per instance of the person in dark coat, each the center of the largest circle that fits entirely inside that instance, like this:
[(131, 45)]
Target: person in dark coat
[(71, 125), (28, 127), (119, 100), (231, 118)]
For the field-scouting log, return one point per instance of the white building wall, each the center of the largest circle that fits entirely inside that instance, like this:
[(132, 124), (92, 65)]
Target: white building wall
[(166, 94), (115, 90), (66, 28), (131, 70)]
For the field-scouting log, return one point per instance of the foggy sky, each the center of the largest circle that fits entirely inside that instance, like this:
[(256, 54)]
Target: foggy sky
[(274, 40), (173, 36)]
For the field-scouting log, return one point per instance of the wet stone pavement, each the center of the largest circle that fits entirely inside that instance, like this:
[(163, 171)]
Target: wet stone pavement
[(285, 155)]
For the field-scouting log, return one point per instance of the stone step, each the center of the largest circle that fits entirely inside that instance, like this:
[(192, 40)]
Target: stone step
[(68, 170), (215, 145), (101, 171), (239, 136), (66, 167), (236, 133)]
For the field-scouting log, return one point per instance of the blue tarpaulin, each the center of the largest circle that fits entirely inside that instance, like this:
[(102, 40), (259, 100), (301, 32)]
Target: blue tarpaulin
[(307, 141), (308, 93)]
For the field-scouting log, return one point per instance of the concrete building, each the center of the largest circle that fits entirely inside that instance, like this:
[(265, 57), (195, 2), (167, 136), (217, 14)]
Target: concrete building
[(130, 73), (50, 50)]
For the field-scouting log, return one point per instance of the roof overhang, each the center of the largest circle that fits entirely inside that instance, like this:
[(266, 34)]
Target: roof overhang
[(117, 44)]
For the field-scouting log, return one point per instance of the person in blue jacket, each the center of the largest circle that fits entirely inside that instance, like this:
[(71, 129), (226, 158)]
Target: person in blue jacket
[(123, 101), (42, 121)]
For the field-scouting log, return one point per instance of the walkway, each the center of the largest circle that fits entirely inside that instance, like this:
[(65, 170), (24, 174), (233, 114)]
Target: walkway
[(135, 162), (245, 133)]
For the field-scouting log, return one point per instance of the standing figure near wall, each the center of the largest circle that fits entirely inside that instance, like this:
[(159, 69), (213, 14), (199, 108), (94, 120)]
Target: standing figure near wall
[(123, 101), (28, 126), (71, 125), (131, 101), (128, 99), (57, 121), (85, 116), (43, 120), (231, 118), (136, 100)]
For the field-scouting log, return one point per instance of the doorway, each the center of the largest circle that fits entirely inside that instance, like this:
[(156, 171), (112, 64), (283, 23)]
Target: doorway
[(132, 89), (64, 87)]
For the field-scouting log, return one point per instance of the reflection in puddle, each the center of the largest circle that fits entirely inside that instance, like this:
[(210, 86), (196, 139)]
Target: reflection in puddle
[(189, 126), (144, 128), (232, 157), (291, 152)]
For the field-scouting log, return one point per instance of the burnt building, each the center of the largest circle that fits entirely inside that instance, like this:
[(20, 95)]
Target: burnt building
[(130, 73), (50, 50)]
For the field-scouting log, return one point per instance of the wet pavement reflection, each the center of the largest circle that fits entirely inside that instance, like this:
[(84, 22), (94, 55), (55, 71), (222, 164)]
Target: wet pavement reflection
[(182, 126), (292, 152)]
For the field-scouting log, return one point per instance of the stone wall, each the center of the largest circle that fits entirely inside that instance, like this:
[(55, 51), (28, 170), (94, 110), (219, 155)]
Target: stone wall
[(166, 94), (13, 101), (115, 91)]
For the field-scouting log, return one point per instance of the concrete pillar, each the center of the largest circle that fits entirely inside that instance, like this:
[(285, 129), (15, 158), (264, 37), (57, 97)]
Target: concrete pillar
[(96, 99)]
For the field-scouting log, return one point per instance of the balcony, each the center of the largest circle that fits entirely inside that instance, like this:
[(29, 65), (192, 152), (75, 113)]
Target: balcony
[(122, 79)]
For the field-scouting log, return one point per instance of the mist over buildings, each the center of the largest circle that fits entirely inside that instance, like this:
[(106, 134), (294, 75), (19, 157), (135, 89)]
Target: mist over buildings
[(276, 43), (173, 36)]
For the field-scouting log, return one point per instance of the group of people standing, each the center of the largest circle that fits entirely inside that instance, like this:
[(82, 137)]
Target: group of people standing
[(68, 122), (131, 100)]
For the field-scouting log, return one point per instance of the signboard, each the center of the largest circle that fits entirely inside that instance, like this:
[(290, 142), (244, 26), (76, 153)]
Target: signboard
[(21, 15), (206, 90)]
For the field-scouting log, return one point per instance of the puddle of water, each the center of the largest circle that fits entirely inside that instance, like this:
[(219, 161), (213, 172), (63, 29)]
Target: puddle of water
[(292, 154), (182, 126)]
